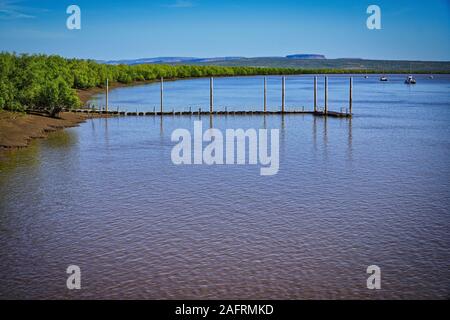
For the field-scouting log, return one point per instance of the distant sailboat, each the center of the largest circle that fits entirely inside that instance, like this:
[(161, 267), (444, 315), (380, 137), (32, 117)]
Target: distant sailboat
[(410, 79), (383, 77)]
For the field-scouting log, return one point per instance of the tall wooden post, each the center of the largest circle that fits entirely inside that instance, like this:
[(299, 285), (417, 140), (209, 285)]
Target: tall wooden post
[(162, 95), (283, 93), (315, 94), (211, 95), (326, 95), (351, 95), (265, 95), (107, 92)]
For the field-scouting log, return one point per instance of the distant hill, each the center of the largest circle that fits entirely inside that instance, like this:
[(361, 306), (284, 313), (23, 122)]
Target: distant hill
[(149, 60), (301, 61), (168, 60), (305, 56)]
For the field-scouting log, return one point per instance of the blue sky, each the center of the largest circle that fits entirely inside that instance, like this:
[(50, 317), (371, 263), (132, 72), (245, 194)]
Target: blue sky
[(418, 30)]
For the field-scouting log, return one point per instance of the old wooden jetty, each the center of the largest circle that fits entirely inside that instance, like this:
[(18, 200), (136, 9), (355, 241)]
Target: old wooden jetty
[(316, 110)]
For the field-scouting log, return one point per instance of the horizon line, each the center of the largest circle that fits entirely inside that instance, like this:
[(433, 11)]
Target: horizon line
[(224, 56)]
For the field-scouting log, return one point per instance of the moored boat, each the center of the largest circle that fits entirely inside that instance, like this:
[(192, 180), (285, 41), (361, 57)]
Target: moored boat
[(410, 80)]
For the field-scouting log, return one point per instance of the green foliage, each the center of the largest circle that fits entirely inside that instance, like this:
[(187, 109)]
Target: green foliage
[(36, 82), (54, 94)]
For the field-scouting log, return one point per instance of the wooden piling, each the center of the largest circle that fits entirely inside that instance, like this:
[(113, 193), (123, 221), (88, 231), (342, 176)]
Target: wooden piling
[(326, 95), (351, 95), (211, 94), (162, 95), (283, 93), (315, 94), (265, 94)]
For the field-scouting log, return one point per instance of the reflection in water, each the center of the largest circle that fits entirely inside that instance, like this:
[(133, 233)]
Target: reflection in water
[(325, 131), (282, 133), (105, 122), (93, 128), (325, 137), (350, 138), (315, 133), (62, 139), (11, 159)]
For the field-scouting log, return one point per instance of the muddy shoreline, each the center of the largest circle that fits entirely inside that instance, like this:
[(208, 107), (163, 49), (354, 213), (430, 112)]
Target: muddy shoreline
[(17, 130)]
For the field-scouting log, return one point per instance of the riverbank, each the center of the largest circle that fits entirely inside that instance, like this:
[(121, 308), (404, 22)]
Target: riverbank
[(18, 129)]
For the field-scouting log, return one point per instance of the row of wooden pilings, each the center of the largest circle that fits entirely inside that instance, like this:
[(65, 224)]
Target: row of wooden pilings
[(283, 96)]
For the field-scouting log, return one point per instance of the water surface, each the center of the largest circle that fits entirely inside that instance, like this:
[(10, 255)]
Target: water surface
[(350, 193)]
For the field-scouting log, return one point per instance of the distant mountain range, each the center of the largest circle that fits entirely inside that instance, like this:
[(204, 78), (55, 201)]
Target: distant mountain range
[(300, 61), (191, 60), (169, 60)]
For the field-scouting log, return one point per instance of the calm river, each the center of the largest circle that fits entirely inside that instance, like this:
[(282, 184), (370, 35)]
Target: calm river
[(373, 190)]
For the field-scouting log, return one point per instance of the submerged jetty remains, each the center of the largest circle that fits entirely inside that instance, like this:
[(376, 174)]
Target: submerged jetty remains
[(316, 110)]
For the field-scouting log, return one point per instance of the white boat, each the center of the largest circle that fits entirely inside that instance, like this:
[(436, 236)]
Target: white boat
[(384, 78), (410, 80)]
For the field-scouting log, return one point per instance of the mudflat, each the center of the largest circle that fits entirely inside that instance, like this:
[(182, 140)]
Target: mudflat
[(18, 129)]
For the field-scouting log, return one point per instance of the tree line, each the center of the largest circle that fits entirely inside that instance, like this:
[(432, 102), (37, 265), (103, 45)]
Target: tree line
[(50, 81)]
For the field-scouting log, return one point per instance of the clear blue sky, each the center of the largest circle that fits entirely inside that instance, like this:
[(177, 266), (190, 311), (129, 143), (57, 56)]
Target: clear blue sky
[(418, 30)]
